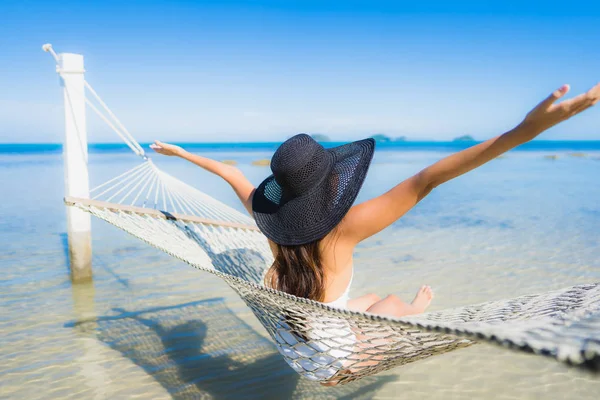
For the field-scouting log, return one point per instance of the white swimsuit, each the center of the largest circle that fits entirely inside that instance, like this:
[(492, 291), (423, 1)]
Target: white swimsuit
[(331, 342), (342, 301)]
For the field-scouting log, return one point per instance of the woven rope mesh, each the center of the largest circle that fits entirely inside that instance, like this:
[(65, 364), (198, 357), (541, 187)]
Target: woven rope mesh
[(334, 345)]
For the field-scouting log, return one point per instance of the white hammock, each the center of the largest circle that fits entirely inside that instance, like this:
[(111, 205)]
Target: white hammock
[(319, 342)]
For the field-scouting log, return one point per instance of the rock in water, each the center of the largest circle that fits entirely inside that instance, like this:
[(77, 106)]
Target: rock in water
[(262, 163)]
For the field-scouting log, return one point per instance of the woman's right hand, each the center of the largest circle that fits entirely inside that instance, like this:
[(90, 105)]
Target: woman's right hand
[(547, 114), (166, 148)]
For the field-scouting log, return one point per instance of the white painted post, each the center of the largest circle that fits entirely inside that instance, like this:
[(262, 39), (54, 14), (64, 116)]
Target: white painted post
[(75, 155)]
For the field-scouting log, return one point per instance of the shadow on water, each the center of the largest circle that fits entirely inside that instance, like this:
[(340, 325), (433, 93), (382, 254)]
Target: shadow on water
[(97, 260), (64, 241), (244, 263), (202, 348)]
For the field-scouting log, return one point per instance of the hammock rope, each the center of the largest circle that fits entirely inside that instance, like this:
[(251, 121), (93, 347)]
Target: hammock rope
[(328, 344), (319, 342)]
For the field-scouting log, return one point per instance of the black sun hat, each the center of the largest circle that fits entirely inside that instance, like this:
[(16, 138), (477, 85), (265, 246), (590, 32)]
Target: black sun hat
[(311, 188)]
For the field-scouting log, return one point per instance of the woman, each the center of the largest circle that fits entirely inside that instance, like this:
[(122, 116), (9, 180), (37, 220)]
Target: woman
[(305, 208)]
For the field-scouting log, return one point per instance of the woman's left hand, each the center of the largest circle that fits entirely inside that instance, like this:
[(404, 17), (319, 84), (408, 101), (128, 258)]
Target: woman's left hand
[(547, 114), (166, 148)]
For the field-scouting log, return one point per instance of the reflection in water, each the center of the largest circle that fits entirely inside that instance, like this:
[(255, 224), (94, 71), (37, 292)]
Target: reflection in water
[(202, 349), (83, 300), (84, 308)]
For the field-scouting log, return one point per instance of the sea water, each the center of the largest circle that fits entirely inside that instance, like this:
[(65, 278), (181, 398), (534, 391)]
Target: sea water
[(150, 326)]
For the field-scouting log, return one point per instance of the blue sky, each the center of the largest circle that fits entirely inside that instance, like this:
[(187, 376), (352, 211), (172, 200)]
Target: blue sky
[(263, 70)]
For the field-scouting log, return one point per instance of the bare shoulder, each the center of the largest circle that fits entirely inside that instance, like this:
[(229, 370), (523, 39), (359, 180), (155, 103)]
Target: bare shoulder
[(337, 249), (353, 223)]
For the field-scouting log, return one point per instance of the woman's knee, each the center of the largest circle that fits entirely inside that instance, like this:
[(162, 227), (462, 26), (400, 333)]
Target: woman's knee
[(394, 300), (390, 306), (373, 298), (362, 303)]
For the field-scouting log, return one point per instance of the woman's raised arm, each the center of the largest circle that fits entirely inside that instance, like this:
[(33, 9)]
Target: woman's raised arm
[(232, 175), (370, 217)]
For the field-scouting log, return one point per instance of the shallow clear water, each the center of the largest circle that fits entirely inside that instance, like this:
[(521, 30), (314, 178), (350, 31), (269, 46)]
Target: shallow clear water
[(152, 327)]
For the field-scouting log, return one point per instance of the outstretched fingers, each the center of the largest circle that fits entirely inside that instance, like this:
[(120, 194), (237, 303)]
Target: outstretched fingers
[(159, 147), (593, 96), (557, 94), (581, 102)]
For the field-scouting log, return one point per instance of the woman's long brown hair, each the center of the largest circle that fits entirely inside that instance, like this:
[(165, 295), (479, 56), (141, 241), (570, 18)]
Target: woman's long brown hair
[(298, 270)]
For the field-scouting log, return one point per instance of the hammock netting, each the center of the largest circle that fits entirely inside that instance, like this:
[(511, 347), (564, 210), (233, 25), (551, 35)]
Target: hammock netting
[(323, 343), (319, 342)]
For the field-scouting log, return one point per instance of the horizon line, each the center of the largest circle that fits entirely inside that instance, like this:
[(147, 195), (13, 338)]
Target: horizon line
[(276, 142)]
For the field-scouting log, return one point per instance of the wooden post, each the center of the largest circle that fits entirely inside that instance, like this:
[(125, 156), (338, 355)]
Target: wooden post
[(75, 155)]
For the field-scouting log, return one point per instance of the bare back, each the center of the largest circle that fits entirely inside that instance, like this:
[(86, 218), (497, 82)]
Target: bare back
[(337, 257)]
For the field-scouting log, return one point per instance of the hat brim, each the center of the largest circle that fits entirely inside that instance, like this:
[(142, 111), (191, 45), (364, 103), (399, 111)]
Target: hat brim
[(295, 220)]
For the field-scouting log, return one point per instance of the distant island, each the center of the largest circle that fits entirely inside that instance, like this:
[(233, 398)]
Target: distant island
[(320, 137), (381, 138), (465, 138)]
